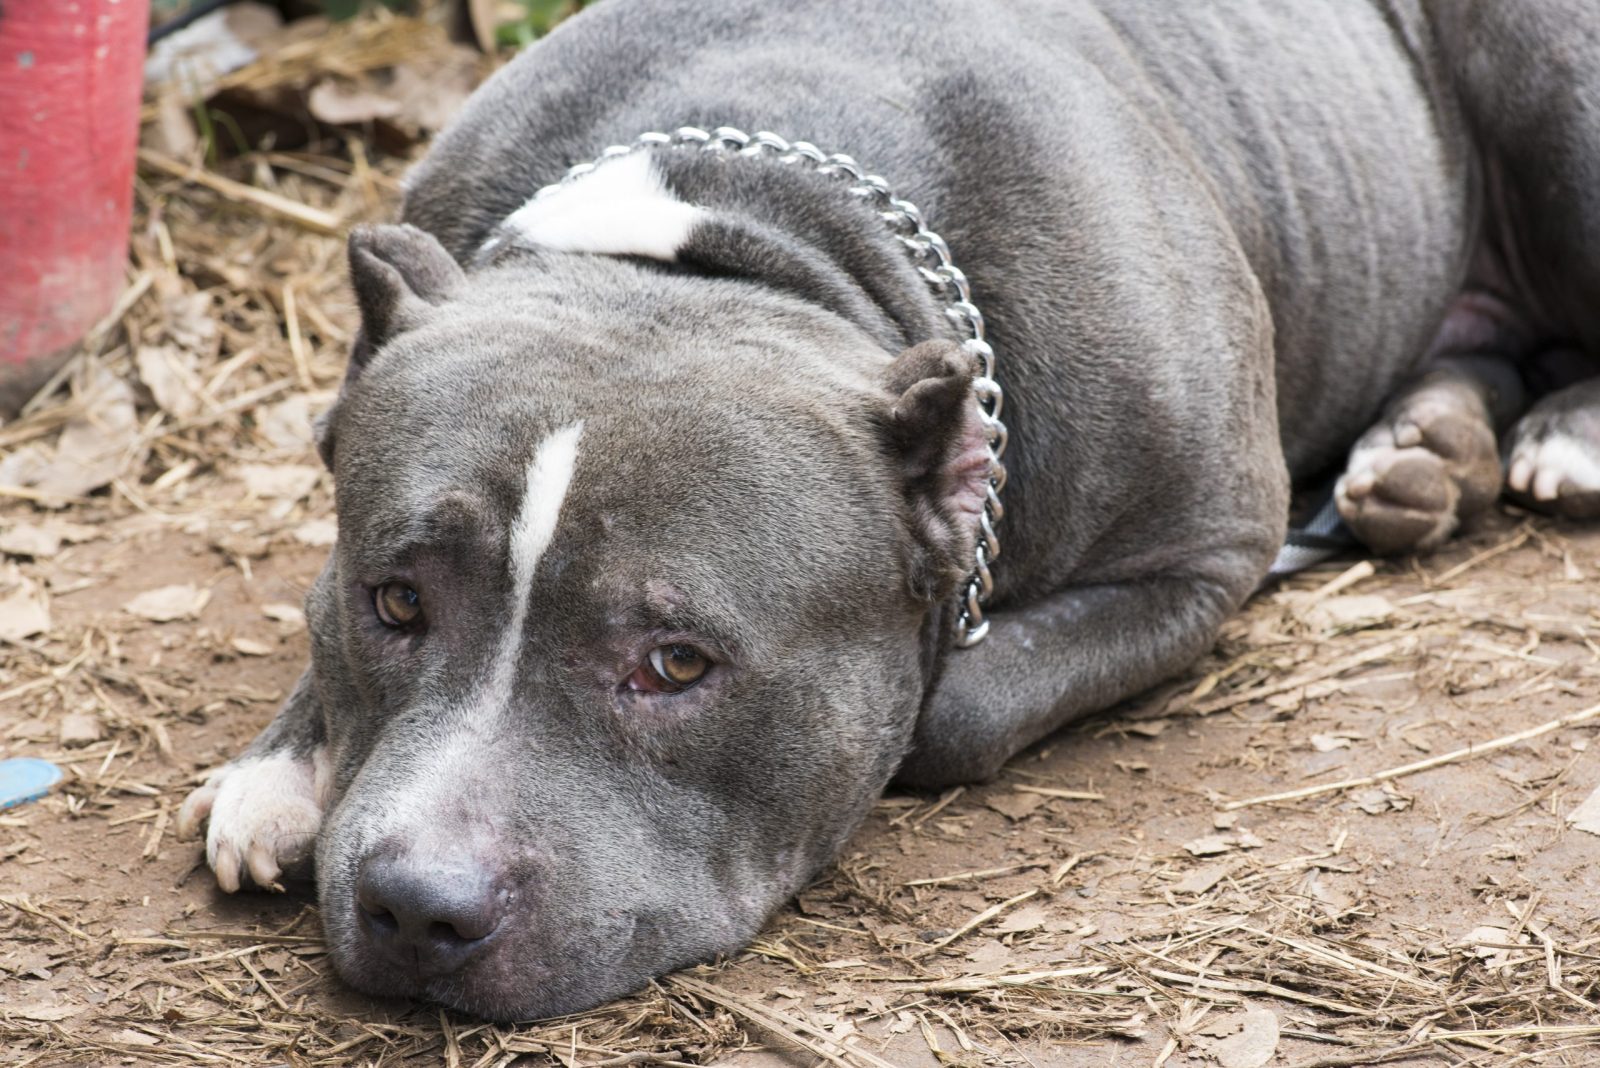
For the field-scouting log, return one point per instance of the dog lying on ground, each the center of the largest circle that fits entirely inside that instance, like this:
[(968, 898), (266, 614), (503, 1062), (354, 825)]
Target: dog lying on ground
[(659, 494)]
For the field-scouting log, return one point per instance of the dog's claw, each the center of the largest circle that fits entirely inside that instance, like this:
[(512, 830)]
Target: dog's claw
[(194, 810)]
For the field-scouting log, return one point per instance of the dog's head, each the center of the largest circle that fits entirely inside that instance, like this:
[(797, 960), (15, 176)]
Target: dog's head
[(636, 590)]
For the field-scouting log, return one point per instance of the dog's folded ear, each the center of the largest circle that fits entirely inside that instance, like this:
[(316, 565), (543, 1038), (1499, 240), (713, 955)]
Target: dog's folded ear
[(398, 273), (937, 435)]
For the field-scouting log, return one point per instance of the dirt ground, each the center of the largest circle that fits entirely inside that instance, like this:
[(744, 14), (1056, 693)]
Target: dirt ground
[(1103, 903)]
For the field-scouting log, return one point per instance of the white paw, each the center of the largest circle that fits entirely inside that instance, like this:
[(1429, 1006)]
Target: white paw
[(264, 813), (1553, 467)]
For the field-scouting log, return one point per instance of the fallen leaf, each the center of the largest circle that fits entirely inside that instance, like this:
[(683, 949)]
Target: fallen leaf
[(1252, 1046), (317, 532), (1030, 918), (287, 482), (1146, 728), (97, 443), (1202, 879), (40, 1012), (212, 46), (191, 324), (24, 605), (169, 603), (1350, 611), (1586, 817), (79, 729), (30, 539), (251, 647), (1487, 944), (287, 424), (341, 103), (285, 613), (168, 372), (1210, 845), (129, 1037), (1327, 743), (1014, 806)]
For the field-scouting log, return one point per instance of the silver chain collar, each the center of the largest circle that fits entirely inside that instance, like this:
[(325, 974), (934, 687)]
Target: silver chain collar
[(932, 258)]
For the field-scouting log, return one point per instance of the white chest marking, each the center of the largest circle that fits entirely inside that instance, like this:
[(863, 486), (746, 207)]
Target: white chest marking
[(622, 208)]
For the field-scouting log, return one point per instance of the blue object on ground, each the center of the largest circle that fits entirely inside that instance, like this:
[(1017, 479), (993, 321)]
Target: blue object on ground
[(26, 779)]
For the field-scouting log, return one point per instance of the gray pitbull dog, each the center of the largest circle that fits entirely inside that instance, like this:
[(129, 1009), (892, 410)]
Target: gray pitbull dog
[(655, 494)]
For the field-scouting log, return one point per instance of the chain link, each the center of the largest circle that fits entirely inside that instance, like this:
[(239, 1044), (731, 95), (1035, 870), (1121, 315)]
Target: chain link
[(932, 258)]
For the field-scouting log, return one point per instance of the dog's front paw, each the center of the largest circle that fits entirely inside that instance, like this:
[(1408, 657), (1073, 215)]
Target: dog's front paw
[(1414, 476), (264, 813), (1555, 462)]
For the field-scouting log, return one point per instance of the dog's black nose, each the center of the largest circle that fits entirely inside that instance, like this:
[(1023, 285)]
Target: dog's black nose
[(431, 913)]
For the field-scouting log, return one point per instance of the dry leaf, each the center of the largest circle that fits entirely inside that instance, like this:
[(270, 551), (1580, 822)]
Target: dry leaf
[(30, 539), (169, 374), (80, 729), (1014, 806), (217, 44), (1586, 817), (1210, 845), (1487, 944), (1251, 1046), (129, 1037), (169, 603), (97, 443), (1202, 879), (1327, 743), (251, 647), (286, 482), (24, 605), (287, 424), (317, 532), (285, 613), (341, 103), (1030, 918), (40, 1012), (1350, 611)]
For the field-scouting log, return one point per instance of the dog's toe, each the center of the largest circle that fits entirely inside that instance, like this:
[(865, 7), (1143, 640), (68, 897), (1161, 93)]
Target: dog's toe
[(262, 815)]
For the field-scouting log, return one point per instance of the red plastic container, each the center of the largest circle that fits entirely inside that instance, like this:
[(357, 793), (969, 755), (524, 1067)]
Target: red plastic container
[(70, 78)]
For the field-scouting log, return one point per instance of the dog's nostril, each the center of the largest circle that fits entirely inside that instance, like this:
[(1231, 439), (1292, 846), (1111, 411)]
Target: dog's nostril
[(383, 920), (450, 932)]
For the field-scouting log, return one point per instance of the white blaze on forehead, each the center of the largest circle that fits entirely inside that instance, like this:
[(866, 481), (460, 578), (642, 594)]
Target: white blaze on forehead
[(621, 208), (549, 477), (444, 764)]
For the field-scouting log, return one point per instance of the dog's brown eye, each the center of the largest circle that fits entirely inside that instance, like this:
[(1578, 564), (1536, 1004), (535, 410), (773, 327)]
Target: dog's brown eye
[(669, 669), (397, 604)]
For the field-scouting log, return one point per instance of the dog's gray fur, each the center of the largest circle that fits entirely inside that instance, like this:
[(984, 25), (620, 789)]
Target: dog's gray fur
[(1211, 240)]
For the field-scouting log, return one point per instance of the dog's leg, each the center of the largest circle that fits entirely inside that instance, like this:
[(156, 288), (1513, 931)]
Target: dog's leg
[(1431, 461), (1076, 652), (1555, 452), (265, 806)]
